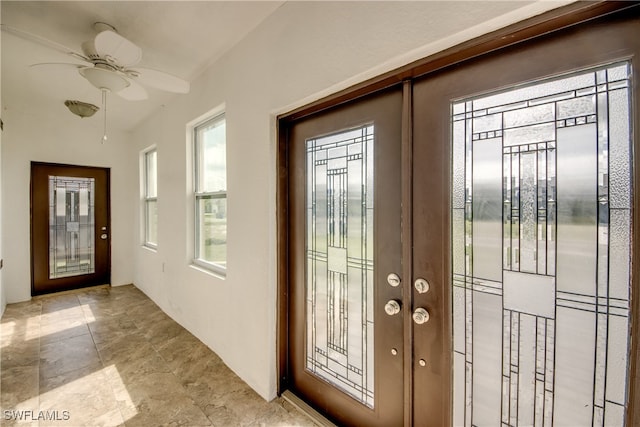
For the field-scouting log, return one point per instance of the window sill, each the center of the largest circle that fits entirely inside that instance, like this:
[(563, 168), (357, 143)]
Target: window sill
[(210, 269), (150, 248)]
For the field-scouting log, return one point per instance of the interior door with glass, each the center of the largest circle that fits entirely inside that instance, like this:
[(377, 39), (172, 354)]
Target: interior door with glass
[(532, 273), (345, 352), (69, 227)]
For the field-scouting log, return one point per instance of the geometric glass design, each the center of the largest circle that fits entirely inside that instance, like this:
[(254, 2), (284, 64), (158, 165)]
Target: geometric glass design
[(339, 248), (541, 245), (71, 226)]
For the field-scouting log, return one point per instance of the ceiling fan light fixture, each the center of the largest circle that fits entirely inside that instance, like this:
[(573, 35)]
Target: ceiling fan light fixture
[(81, 109), (104, 79)]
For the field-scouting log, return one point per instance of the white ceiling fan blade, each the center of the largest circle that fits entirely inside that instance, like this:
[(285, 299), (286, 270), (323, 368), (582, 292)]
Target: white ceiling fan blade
[(112, 45), (58, 65), (89, 50), (133, 92), (160, 80), (44, 42)]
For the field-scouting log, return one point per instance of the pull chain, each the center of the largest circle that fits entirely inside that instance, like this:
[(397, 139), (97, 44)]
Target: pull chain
[(104, 106)]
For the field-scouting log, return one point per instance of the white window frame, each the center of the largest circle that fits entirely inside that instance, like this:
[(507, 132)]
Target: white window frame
[(148, 199), (199, 195)]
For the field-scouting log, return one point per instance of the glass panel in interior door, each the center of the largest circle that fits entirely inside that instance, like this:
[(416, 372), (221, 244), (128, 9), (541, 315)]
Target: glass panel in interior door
[(541, 300), (71, 226), (339, 288)]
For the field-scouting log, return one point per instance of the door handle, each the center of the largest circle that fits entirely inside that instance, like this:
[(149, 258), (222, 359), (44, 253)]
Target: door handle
[(420, 316), (103, 236), (392, 307)]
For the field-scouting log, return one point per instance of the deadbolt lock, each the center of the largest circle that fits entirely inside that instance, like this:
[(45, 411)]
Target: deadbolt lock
[(421, 285), (393, 279)]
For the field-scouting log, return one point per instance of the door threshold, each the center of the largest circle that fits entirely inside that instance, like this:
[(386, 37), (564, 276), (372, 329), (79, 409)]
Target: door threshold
[(70, 291), (306, 409)]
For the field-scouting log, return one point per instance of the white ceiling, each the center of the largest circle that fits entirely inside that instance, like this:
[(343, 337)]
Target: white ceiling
[(178, 37)]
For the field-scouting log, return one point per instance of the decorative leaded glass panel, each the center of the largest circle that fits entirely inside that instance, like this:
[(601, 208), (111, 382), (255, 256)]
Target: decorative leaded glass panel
[(339, 247), (71, 226), (541, 212)]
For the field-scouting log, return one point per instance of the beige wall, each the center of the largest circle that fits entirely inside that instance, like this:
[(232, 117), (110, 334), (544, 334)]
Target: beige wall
[(31, 134)]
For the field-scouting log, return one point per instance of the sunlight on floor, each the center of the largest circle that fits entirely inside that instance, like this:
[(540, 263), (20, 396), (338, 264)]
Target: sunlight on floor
[(7, 331), (32, 328), (88, 314), (111, 357), (87, 400)]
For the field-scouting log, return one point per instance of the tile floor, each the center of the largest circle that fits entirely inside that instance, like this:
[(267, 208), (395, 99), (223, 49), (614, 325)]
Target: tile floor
[(110, 357)]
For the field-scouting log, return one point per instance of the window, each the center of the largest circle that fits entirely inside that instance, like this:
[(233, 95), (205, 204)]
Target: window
[(150, 197), (211, 194)]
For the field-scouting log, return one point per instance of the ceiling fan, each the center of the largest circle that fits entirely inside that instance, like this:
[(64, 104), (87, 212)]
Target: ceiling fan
[(108, 61)]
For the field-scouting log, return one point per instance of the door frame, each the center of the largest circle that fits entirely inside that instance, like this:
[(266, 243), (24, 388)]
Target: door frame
[(101, 277), (538, 26)]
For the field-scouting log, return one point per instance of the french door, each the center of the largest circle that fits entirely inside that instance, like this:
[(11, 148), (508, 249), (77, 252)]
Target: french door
[(535, 193), (345, 239), (479, 266), (69, 227)]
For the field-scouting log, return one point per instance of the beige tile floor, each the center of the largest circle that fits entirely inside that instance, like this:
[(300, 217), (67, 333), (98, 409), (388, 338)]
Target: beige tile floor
[(110, 357)]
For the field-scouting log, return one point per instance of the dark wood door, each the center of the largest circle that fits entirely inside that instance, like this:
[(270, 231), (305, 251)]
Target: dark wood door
[(514, 200), (522, 224), (70, 227), (346, 354)]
